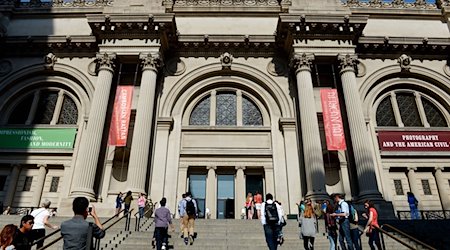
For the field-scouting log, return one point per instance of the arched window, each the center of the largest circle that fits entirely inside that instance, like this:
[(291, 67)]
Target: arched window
[(231, 108), (413, 109), (45, 106)]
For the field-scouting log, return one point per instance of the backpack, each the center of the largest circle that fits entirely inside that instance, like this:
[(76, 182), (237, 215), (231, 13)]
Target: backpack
[(190, 207), (352, 215), (271, 214)]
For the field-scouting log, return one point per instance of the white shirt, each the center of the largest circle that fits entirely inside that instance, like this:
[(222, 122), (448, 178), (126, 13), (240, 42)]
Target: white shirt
[(39, 216), (344, 208), (263, 212)]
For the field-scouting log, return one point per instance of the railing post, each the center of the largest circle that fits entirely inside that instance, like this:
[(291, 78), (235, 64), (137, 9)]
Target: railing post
[(382, 240)]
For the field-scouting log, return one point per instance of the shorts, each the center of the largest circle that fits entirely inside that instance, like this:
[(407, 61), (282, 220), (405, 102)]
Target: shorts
[(258, 206)]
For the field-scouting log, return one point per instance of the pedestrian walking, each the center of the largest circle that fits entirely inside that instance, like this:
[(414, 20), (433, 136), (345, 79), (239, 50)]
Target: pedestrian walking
[(7, 236), (189, 212), (330, 225), (41, 216), (354, 228), (341, 215), (258, 201), (308, 223), (283, 223), (413, 205), (271, 215), (127, 201), (22, 239), (162, 221), (119, 202), (249, 206), (372, 225), (141, 204), (183, 196)]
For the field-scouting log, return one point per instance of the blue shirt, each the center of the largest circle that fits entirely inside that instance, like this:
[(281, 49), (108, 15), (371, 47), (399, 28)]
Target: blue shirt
[(74, 233)]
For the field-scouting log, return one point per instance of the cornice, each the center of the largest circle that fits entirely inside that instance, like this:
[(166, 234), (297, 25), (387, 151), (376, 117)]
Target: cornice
[(419, 46), (195, 7), (38, 45)]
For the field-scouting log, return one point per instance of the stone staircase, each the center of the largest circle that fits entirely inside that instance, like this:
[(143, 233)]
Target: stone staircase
[(212, 235)]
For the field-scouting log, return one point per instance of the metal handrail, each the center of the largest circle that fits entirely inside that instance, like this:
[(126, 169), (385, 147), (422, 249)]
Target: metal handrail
[(409, 237), (60, 237), (138, 219), (425, 214)]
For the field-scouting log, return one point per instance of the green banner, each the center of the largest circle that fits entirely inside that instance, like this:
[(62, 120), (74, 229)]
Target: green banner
[(37, 138)]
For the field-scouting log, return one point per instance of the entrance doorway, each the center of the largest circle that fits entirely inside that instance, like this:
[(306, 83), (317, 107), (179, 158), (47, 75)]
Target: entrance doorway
[(197, 186), (254, 183), (225, 196)]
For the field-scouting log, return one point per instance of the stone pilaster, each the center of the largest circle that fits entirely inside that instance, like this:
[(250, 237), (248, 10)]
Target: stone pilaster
[(13, 178), (270, 184), (86, 164), (140, 148), (182, 182), (312, 147), (442, 184), (239, 192), (287, 125), (39, 186), (365, 168), (211, 197)]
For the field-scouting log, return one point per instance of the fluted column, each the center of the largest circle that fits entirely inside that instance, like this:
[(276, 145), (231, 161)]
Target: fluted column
[(140, 148), (240, 192), (442, 184), (13, 178), (287, 125), (413, 184), (365, 169), (211, 198), (86, 164), (312, 146), (39, 186)]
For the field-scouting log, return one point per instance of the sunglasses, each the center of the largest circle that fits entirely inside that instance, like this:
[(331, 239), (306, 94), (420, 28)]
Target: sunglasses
[(30, 222)]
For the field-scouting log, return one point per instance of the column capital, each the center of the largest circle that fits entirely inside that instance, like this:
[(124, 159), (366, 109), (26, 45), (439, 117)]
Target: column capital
[(240, 168), (302, 61), (287, 123), (348, 62), (106, 60), (412, 169), (440, 168), (150, 61), (164, 123), (211, 167)]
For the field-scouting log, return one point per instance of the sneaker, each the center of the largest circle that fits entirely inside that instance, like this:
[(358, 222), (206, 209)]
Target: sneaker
[(186, 241), (191, 239), (163, 247), (281, 241)]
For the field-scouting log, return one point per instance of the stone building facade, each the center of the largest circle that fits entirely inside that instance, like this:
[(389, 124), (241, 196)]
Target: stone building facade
[(226, 100)]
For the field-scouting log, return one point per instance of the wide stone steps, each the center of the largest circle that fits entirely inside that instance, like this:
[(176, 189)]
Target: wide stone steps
[(211, 235)]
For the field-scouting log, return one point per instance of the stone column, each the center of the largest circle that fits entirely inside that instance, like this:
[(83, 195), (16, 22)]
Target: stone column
[(11, 192), (211, 198), (39, 186), (270, 185), (312, 146), (413, 184), (140, 148), (86, 164), (365, 168), (442, 184), (239, 192), (181, 184), (287, 125)]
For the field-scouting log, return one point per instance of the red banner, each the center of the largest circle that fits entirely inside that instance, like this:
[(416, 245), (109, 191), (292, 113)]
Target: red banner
[(118, 131), (332, 120), (414, 140)]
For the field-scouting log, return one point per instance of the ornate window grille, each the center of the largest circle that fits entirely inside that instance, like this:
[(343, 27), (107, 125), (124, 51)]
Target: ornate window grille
[(398, 187), (426, 187), (27, 183), (54, 184)]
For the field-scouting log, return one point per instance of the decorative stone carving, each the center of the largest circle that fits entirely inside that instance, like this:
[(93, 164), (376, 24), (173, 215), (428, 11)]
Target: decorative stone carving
[(175, 67), (62, 3), (215, 3), (443, 3), (49, 61), (92, 68), (302, 61), (405, 62), (150, 61), (226, 59), (361, 69), (348, 61), (400, 4), (277, 67), (106, 60), (5, 67), (446, 69)]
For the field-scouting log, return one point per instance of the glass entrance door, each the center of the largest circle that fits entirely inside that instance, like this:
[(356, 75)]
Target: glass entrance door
[(197, 186), (254, 183), (225, 196)]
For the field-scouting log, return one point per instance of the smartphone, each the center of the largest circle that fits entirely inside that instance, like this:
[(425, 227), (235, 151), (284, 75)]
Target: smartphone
[(90, 209)]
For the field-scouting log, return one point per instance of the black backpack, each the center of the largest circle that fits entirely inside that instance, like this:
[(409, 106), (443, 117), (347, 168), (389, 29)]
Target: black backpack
[(271, 213), (190, 207)]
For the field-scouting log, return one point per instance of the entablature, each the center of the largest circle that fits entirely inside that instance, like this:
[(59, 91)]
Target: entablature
[(226, 7)]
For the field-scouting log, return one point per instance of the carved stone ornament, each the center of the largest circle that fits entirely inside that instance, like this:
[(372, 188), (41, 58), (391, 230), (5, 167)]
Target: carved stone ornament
[(150, 61), (348, 61), (226, 59), (405, 62), (49, 61), (400, 4), (106, 60), (5, 67), (443, 3), (92, 68), (175, 67), (304, 61)]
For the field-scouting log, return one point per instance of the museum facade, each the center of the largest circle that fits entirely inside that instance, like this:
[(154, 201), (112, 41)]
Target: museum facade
[(221, 98)]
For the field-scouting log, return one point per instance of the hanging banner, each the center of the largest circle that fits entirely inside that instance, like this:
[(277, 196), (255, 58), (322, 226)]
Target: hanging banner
[(37, 138), (118, 131), (332, 120), (414, 140)]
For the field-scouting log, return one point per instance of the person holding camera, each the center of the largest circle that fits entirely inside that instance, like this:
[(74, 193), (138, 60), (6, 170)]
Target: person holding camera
[(77, 230)]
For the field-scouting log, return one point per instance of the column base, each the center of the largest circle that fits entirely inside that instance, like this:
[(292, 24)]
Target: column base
[(84, 192), (317, 195), (372, 195)]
